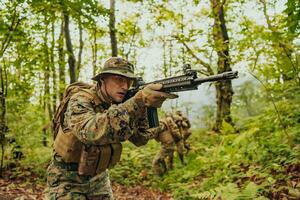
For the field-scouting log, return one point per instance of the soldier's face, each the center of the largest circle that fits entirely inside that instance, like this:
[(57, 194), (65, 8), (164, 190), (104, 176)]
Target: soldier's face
[(117, 86)]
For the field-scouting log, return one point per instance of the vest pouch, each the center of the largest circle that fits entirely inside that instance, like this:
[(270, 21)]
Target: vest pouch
[(116, 154), (88, 160), (67, 146), (105, 156)]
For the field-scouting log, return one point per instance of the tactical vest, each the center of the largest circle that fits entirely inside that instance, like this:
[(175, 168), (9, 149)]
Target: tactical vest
[(91, 159)]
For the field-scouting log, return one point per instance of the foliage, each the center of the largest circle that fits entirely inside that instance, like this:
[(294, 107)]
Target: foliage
[(254, 159), (35, 156), (293, 16), (247, 165)]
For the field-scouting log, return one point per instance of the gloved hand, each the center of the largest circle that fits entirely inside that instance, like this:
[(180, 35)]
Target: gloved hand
[(152, 97), (185, 125)]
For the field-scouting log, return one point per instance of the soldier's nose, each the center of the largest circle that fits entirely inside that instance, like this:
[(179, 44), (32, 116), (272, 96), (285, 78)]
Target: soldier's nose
[(125, 86)]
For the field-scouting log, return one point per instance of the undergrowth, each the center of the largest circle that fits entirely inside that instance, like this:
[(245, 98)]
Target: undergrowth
[(257, 159), (249, 164)]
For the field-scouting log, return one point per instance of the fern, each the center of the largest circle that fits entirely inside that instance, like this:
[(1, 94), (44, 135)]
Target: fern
[(203, 195), (228, 192), (249, 192)]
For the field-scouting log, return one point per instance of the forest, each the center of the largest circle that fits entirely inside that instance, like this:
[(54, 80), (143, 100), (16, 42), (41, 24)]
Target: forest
[(245, 141)]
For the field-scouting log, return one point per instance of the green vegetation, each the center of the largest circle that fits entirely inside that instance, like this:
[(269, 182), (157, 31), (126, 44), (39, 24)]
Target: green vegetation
[(45, 45), (254, 163), (259, 161)]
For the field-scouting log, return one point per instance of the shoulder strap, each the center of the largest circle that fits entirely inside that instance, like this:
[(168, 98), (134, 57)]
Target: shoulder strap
[(72, 89), (93, 95)]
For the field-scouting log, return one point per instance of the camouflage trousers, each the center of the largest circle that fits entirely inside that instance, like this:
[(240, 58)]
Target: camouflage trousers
[(180, 149), (163, 160), (186, 134), (64, 184)]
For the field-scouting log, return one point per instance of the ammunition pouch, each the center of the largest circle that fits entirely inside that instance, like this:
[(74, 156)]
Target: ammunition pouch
[(91, 159), (96, 159), (67, 146)]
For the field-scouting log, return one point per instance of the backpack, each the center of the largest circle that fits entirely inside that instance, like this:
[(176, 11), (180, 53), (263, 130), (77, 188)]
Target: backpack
[(72, 89)]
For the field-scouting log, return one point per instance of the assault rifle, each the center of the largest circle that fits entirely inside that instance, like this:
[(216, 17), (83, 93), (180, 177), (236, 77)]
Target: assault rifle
[(185, 82)]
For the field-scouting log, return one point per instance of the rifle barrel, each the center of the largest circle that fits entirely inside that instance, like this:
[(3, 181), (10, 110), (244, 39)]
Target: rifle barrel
[(223, 76)]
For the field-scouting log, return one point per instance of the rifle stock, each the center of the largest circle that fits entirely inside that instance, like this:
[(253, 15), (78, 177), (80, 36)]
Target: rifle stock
[(187, 81)]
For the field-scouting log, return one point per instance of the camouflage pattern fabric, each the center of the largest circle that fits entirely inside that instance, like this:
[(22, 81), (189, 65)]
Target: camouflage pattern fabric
[(186, 134), (64, 184), (91, 125), (168, 138), (163, 161), (180, 150), (184, 127), (124, 121), (116, 65)]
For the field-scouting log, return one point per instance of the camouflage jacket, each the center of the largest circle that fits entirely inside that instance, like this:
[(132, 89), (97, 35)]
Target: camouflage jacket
[(91, 123)]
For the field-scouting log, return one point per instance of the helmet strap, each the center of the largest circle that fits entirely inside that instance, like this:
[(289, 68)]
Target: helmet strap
[(103, 89)]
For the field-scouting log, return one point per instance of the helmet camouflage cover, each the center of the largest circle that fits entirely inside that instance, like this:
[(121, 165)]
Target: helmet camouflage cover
[(178, 112), (118, 66)]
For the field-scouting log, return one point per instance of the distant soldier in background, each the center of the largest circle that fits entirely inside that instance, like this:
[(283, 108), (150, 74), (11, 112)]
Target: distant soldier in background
[(179, 142), (185, 128), (168, 138)]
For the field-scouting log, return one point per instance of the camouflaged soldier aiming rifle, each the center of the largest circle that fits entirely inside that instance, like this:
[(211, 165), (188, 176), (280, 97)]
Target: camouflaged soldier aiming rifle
[(168, 138), (90, 123)]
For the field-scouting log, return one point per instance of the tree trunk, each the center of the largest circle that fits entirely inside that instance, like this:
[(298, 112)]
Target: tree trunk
[(61, 61), (132, 41), (54, 81), (78, 67), (165, 66), (224, 89), (112, 29), (170, 57), (3, 127), (47, 70), (94, 52), (71, 57)]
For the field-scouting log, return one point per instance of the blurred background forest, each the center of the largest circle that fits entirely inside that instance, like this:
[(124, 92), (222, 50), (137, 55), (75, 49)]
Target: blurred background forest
[(246, 135)]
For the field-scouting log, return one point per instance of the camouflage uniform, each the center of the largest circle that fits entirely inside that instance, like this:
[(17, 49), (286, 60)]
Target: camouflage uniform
[(184, 127), (179, 143), (168, 138), (92, 124)]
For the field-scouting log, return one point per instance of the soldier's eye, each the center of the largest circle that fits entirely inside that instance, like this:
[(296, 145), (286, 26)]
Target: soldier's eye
[(123, 80)]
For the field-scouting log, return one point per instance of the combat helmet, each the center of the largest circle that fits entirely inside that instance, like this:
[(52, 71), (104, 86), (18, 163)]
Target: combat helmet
[(179, 112), (168, 114), (118, 66)]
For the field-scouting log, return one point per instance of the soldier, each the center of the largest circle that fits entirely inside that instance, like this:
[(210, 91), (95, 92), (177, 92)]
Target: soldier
[(179, 143), (91, 124), (184, 127), (168, 138)]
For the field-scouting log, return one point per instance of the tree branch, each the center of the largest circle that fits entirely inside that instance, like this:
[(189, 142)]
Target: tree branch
[(131, 41), (11, 29), (207, 66)]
